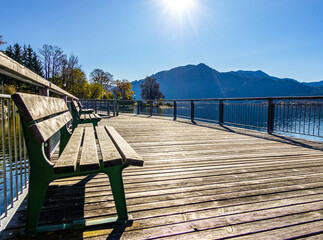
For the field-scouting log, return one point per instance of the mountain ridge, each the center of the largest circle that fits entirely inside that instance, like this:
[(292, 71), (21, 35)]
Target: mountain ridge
[(201, 81)]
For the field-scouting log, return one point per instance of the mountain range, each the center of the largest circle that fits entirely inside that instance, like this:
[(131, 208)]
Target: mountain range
[(201, 81)]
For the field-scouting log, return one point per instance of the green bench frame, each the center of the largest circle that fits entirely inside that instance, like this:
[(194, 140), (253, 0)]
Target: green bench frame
[(41, 118), (83, 116)]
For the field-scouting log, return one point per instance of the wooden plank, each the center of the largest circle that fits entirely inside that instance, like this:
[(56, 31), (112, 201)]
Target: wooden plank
[(75, 105), (42, 131), (128, 154), (97, 116), (110, 154), (89, 156), (11, 68), (33, 107), (187, 190), (68, 160)]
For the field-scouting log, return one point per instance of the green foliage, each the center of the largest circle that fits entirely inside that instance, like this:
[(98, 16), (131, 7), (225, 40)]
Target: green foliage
[(100, 77), (96, 91), (108, 95), (63, 71), (26, 56), (122, 90), (8, 89), (77, 84)]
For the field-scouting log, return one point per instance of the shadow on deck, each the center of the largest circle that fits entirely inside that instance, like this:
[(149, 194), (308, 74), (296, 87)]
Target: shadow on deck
[(198, 182)]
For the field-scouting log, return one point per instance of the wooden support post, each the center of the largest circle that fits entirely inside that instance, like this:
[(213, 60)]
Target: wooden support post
[(108, 110), (65, 98), (117, 111), (221, 112), (138, 107), (95, 106), (44, 91), (192, 111), (175, 110), (151, 107), (271, 116), (123, 107), (114, 108)]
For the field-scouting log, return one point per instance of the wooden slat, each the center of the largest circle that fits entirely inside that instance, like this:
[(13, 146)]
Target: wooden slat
[(197, 183), (110, 154), (33, 107), (75, 105), (97, 116), (128, 154), (89, 157), (68, 160), (42, 131)]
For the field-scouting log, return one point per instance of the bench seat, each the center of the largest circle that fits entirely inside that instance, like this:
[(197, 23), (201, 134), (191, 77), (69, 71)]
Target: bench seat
[(83, 115), (86, 150), (114, 150)]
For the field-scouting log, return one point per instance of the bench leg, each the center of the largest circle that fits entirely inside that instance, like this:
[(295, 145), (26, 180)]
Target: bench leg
[(36, 194), (116, 182)]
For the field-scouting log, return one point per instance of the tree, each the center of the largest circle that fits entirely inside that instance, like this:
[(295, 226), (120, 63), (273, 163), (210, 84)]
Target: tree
[(122, 90), (26, 56), (150, 89), (101, 77), (53, 59), (1, 41), (77, 84), (96, 91)]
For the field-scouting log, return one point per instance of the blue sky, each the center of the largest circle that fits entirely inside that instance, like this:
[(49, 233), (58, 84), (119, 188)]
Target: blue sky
[(135, 38)]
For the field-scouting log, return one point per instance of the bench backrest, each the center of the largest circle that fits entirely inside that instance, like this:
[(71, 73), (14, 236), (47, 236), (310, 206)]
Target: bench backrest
[(42, 116), (75, 106)]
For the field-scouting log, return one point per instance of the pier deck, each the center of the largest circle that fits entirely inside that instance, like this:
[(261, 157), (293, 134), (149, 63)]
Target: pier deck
[(198, 182)]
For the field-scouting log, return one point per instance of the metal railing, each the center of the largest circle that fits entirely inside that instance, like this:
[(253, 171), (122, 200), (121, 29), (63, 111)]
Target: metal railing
[(14, 167), (13, 160), (300, 116)]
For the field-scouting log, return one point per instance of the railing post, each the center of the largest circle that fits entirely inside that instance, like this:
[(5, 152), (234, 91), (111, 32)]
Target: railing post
[(192, 111), (271, 116), (123, 107), (65, 98), (114, 108), (117, 111), (221, 112), (138, 107), (175, 110), (44, 91), (151, 107), (95, 106), (108, 110)]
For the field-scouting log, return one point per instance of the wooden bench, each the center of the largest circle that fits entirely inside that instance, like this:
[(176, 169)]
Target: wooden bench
[(86, 151), (83, 116), (84, 110)]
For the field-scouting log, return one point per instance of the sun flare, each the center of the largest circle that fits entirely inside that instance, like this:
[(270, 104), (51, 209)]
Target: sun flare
[(179, 6)]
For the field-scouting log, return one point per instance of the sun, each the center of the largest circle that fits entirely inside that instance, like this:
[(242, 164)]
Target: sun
[(179, 6)]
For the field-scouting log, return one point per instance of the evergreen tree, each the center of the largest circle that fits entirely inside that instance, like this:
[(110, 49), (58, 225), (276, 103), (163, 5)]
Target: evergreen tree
[(17, 53), (26, 56)]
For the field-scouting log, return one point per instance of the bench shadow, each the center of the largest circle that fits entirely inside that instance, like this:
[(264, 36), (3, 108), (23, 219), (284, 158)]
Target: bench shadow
[(68, 206)]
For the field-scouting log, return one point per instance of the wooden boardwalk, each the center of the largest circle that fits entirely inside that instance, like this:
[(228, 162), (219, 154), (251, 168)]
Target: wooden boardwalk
[(198, 182)]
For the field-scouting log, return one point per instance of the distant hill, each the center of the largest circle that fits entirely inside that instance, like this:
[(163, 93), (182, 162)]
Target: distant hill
[(314, 84), (201, 81)]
